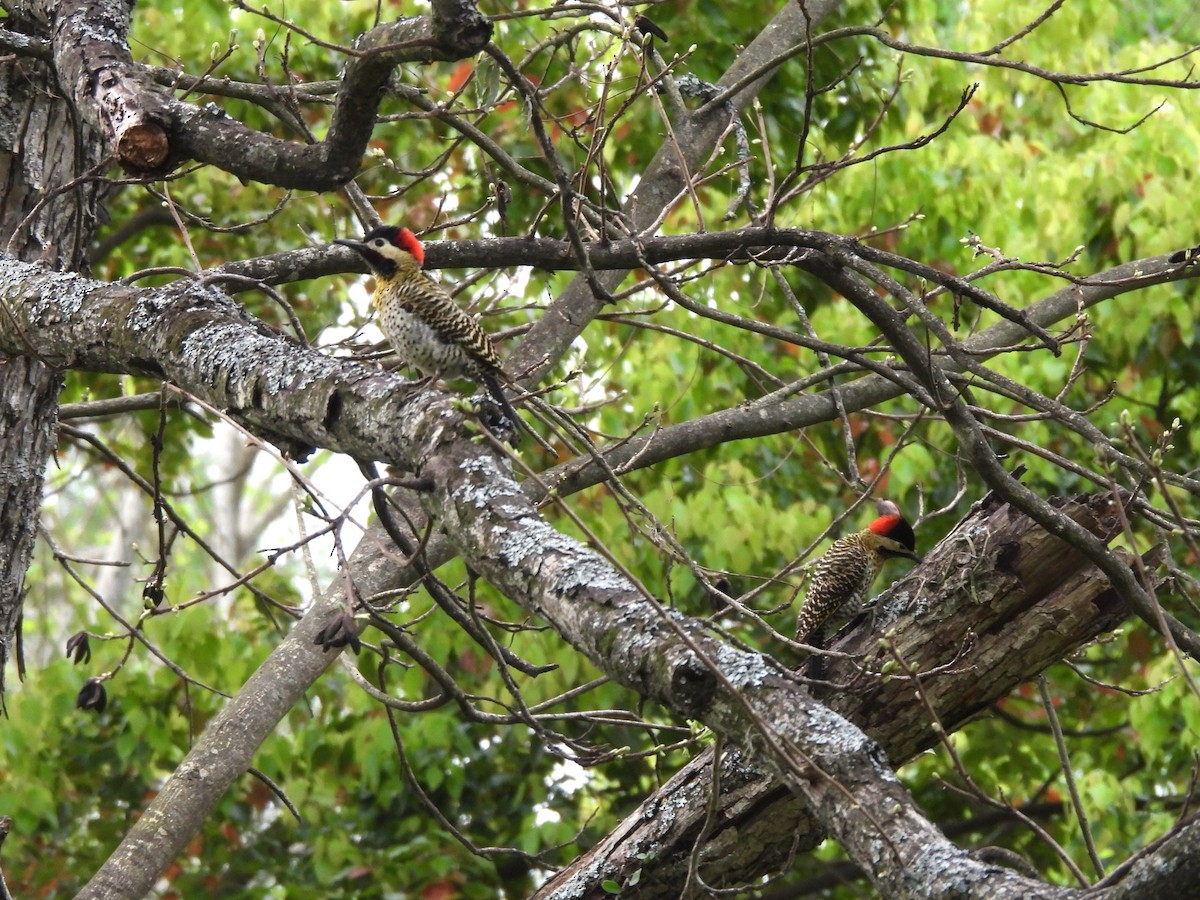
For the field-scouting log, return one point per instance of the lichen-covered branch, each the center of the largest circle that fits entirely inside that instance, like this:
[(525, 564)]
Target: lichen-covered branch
[(150, 132), (199, 339), (983, 597)]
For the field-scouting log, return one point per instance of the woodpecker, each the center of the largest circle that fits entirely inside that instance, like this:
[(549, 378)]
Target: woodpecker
[(844, 575), (426, 328)]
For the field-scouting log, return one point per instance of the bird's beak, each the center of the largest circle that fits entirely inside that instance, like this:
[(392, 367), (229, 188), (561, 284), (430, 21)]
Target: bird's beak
[(916, 557), (347, 242)]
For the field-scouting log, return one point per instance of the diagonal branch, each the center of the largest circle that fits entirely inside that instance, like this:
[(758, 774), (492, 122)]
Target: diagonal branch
[(987, 590), (198, 338)]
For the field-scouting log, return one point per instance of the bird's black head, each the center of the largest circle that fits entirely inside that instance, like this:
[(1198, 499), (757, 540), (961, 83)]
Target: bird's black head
[(387, 249), (897, 536)]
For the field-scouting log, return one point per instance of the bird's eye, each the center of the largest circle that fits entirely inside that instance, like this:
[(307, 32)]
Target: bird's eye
[(378, 242)]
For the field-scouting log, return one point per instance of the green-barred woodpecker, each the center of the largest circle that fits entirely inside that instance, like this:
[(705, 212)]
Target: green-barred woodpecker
[(426, 328), (843, 577)]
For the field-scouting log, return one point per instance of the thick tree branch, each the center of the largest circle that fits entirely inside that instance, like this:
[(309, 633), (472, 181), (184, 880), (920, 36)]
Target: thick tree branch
[(677, 661), (150, 132), (977, 610), (199, 339), (90, 41)]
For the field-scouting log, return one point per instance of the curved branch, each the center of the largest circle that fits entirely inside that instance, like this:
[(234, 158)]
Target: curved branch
[(989, 58), (151, 132)]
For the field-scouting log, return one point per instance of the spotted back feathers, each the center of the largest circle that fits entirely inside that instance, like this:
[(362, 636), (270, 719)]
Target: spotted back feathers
[(843, 576)]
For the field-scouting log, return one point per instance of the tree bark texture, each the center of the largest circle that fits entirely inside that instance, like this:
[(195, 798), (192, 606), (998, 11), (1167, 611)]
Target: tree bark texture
[(42, 149), (194, 336)]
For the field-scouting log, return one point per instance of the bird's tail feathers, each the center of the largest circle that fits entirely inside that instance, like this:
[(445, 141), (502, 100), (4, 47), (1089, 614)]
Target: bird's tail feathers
[(492, 383)]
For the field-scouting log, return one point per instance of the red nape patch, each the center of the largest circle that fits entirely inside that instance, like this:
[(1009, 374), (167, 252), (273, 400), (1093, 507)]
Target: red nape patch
[(406, 240), (884, 524)]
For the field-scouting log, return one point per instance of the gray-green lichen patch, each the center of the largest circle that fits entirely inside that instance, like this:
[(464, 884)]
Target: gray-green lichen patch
[(743, 669), (897, 603), (531, 536), (227, 353), (592, 572), (64, 292), (488, 485), (826, 728), (59, 297), (583, 881), (146, 314)]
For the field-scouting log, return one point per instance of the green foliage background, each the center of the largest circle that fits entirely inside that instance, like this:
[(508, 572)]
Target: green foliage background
[(1014, 168)]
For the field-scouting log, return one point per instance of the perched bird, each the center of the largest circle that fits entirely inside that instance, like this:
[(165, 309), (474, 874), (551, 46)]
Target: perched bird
[(426, 328), (844, 575)]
